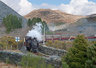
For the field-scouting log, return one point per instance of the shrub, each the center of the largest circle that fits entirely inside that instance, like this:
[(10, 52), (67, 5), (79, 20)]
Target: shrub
[(56, 44), (77, 55), (93, 42), (91, 54), (8, 41), (65, 65)]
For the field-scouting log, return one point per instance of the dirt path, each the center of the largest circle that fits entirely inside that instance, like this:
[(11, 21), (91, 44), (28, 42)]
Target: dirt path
[(4, 65)]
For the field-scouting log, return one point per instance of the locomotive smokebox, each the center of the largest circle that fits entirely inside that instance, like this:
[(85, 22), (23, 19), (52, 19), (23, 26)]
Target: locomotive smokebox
[(31, 44)]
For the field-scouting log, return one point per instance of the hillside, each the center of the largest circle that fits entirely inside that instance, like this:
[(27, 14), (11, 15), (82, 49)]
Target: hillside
[(6, 10), (55, 16), (86, 26)]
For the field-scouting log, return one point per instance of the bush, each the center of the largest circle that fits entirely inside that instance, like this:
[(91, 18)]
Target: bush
[(91, 54), (93, 42), (77, 55), (8, 41), (65, 65), (30, 61), (12, 22), (56, 44)]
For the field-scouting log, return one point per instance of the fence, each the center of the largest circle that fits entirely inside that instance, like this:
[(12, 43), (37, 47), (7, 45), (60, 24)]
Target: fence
[(9, 47)]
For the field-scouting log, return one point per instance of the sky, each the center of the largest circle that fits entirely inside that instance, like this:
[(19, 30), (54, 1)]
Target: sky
[(75, 7), (54, 2)]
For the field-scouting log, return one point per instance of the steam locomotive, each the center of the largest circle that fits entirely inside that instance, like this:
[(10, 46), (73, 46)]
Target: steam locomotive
[(31, 44)]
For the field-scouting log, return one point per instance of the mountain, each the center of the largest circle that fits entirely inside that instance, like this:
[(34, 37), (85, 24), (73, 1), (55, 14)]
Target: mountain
[(72, 24), (6, 10), (86, 26), (53, 16)]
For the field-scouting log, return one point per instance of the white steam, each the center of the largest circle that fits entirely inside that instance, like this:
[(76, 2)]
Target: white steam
[(36, 32)]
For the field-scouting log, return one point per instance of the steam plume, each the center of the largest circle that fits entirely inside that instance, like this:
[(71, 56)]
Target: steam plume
[(36, 32)]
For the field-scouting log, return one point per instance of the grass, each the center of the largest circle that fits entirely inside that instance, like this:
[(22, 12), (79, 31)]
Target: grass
[(30, 61)]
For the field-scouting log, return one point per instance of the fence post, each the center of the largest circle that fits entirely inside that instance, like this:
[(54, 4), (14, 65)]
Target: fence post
[(6, 47), (61, 37), (17, 45), (55, 66), (46, 64), (11, 47), (27, 65), (38, 64), (53, 38)]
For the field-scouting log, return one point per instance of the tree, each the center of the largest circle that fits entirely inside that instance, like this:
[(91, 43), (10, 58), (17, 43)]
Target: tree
[(29, 22), (39, 20), (12, 22), (33, 21), (91, 54), (77, 55)]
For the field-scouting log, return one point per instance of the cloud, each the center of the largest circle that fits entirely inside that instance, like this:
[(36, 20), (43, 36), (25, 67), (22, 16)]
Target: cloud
[(45, 5), (79, 7), (23, 7), (76, 7)]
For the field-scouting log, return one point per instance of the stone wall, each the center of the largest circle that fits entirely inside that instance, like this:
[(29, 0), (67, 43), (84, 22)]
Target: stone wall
[(51, 51), (15, 58)]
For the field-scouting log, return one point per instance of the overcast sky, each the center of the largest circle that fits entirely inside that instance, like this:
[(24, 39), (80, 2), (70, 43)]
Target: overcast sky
[(76, 7)]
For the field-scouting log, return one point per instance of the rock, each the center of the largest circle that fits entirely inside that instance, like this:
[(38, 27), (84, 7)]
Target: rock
[(23, 49), (55, 60)]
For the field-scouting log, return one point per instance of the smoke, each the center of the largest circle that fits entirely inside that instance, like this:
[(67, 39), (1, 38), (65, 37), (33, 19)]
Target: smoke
[(36, 32)]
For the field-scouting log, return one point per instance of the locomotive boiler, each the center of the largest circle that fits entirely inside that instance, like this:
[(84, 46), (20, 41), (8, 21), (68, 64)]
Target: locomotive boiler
[(31, 44)]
